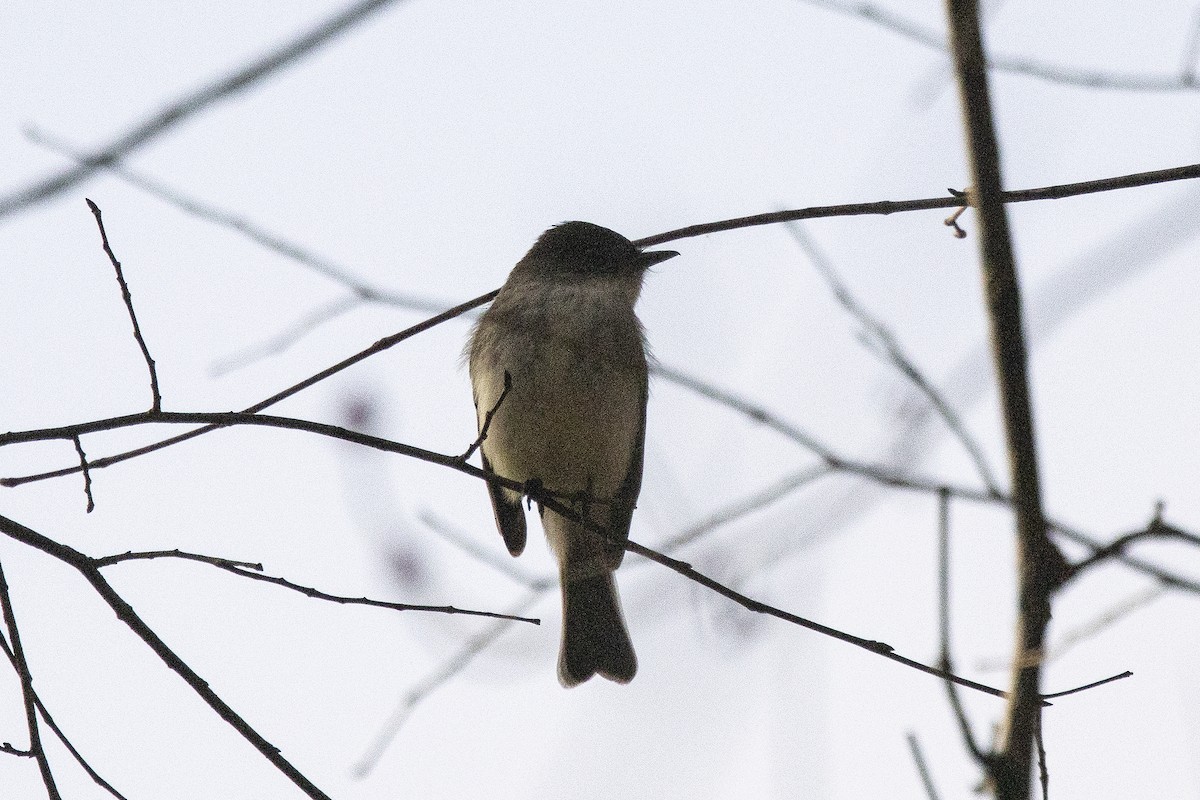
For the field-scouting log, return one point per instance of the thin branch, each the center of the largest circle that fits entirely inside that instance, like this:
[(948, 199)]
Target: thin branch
[(125, 612), (229, 220), (253, 572), (432, 682), (1086, 686), (487, 419), (57, 731), (749, 504), (1054, 73), (378, 347), (191, 104), (1043, 772), (1104, 620), (155, 396), (87, 474), (945, 658), (882, 338), (1040, 566), (914, 747), (283, 340), (878, 648), (1155, 529), (542, 497), (22, 667), (8, 749), (885, 207), (890, 477), (504, 564), (955, 200), (833, 461), (1187, 63)]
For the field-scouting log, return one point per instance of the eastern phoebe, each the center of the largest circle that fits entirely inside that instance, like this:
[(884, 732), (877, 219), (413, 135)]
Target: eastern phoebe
[(573, 422)]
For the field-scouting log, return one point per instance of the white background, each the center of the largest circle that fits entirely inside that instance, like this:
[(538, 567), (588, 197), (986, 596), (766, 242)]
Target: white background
[(425, 151)]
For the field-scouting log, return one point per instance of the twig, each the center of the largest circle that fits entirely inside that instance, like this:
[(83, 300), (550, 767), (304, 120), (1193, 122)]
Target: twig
[(505, 565), (945, 658), (1040, 566), (884, 207), (487, 419), (27, 693), (1054, 73), (155, 396), (1187, 63), (886, 476), (190, 104), (283, 340), (430, 683), (756, 501), (229, 220), (832, 461), (87, 474), (956, 199), (8, 749), (378, 347), (62, 737), (1086, 686), (879, 648), (1043, 772), (57, 731), (882, 337), (1155, 529), (253, 572), (1104, 620), (83, 564), (914, 747)]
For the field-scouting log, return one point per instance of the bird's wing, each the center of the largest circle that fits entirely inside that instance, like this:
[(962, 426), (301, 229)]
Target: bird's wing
[(626, 497), (510, 517)]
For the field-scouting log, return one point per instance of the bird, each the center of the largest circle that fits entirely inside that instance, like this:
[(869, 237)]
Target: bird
[(558, 367)]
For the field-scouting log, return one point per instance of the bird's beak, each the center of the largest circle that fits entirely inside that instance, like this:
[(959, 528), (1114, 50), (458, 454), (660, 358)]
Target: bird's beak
[(650, 258)]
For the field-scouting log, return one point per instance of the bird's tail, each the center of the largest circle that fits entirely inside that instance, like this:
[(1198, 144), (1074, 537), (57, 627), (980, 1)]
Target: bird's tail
[(594, 638)]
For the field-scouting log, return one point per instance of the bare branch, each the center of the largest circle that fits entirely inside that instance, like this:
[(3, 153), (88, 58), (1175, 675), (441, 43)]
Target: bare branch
[(890, 477), (253, 572), (1040, 566), (945, 659), (879, 648), (62, 737), (487, 419), (83, 564), (1086, 686), (1155, 529), (885, 207), (1187, 63), (378, 347), (432, 682), (155, 397), (884, 343), (283, 340), (229, 220), (1053, 73), (22, 667), (956, 199), (1043, 772), (504, 564), (189, 105), (87, 474), (914, 747)]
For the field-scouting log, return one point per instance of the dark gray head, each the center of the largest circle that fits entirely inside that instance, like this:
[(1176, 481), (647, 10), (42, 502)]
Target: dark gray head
[(582, 249)]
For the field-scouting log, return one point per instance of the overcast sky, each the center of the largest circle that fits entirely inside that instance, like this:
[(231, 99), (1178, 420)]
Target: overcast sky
[(422, 153)]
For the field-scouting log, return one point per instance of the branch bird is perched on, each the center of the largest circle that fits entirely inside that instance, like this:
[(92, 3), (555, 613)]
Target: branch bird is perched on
[(564, 333)]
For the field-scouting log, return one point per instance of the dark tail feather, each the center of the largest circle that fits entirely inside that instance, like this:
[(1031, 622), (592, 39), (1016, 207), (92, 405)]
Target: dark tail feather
[(594, 637)]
